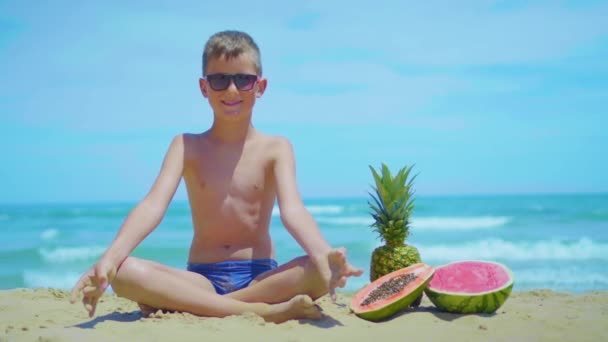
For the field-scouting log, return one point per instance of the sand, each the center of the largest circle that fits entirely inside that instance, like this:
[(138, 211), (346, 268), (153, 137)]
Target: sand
[(47, 315)]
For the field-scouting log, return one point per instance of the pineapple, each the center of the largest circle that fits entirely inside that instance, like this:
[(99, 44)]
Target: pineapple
[(391, 209)]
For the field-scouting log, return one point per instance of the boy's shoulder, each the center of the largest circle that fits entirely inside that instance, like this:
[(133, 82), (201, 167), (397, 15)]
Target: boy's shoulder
[(273, 139), (266, 141), (275, 143)]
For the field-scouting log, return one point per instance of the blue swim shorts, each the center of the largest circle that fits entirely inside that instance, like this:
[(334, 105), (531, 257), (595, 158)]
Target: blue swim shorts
[(232, 275)]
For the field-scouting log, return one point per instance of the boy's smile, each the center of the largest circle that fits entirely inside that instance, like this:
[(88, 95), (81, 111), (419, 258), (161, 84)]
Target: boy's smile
[(232, 107), (232, 104)]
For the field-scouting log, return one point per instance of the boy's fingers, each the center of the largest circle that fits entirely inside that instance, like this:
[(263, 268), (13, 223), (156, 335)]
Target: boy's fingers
[(74, 295), (76, 291), (90, 303), (332, 294), (93, 307), (90, 290), (338, 282), (86, 301)]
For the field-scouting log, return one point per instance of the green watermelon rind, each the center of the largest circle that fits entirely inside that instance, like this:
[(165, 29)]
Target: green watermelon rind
[(482, 302), (396, 306)]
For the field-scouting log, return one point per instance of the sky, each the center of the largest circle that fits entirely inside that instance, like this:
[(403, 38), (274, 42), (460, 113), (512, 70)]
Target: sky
[(482, 97)]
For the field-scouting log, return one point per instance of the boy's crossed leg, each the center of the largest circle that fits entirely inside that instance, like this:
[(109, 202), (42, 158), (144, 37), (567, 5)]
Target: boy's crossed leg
[(277, 295)]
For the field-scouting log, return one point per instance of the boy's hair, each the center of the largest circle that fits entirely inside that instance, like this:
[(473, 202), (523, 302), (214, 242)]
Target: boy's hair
[(231, 44)]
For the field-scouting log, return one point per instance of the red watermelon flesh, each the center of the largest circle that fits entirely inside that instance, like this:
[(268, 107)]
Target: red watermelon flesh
[(470, 277), (470, 286)]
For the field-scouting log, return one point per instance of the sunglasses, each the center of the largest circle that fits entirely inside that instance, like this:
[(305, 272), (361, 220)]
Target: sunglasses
[(219, 82)]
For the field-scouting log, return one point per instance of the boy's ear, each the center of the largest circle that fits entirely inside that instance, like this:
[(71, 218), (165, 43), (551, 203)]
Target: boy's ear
[(261, 88), (203, 85)]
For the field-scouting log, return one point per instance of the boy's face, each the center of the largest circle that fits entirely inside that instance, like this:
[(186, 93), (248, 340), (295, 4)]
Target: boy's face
[(231, 103)]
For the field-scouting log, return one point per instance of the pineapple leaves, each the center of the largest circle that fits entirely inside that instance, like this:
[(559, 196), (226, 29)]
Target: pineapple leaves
[(393, 203)]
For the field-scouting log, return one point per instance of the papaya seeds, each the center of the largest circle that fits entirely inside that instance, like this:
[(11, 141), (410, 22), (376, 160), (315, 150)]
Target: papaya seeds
[(389, 288)]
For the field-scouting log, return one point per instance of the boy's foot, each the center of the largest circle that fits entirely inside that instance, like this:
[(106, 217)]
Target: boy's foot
[(298, 307), (146, 310), (341, 270)]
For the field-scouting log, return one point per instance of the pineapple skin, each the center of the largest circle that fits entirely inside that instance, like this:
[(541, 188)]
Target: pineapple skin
[(387, 259)]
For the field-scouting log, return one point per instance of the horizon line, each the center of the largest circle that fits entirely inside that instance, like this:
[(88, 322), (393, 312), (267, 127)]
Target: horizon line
[(329, 197)]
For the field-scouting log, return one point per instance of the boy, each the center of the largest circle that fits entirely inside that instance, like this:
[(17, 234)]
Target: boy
[(233, 174)]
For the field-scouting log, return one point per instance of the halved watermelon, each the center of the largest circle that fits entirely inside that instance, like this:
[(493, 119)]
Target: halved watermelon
[(401, 288), (470, 286)]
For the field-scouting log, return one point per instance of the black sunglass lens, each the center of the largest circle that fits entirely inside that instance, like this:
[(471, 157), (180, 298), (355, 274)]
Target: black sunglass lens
[(222, 81), (219, 82), (244, 82)]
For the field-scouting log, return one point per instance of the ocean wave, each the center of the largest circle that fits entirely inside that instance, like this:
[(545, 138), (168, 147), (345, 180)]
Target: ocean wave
[(598, 215), (428, 223), (558, 279), (315, 209), (58, 279), (582, 249), (562, 277), (460, 223), (347, 220), (70, 254), (325, 209), (49, 234)]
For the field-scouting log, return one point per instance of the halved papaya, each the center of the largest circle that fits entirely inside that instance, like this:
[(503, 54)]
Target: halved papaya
[(391, 293)]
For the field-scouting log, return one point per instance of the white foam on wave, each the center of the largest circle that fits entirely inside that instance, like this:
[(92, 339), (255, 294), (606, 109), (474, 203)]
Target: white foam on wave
[(70, 254), (325, 209), (61, 279), (49, 234), (428, 223), (562, 277), (347, 220), (582, 249), (459, 223), (537, 207), (64, 280), (315, 209)]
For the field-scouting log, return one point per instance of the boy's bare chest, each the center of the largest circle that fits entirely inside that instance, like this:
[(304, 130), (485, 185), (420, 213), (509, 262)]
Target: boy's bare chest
[(216, 178)]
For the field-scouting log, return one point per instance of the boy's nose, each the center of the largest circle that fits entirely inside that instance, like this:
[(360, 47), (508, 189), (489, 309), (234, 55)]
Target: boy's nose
[(232, 87)]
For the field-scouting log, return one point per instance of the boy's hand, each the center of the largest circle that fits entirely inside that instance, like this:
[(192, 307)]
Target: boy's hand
[(337, 270), (93, 284)]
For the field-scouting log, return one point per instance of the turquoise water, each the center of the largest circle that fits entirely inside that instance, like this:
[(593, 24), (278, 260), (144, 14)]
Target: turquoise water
[(549, 241)]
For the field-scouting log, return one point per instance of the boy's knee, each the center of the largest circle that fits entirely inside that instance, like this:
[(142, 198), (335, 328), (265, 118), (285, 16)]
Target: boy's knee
[(129, 270)]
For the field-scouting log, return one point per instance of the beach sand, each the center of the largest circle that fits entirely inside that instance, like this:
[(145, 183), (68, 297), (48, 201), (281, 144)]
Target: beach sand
[(47, 315)]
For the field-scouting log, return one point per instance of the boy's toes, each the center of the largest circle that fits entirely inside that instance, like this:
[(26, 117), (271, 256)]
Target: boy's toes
[(337, 256), (306, 307), (355, 271)]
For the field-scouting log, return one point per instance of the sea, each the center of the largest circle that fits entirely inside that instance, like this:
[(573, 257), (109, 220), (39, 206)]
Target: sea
[(556, 241)]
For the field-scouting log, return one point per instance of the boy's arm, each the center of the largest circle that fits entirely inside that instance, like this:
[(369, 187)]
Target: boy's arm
[(331, 263), (138, 224), (146, 216), (294, 215)]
